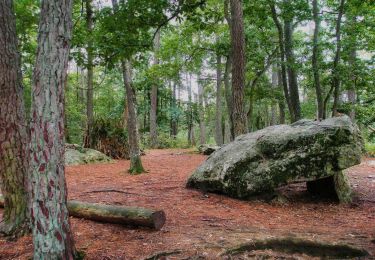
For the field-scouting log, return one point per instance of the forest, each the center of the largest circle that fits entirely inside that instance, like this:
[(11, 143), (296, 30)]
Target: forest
[(187, 129)]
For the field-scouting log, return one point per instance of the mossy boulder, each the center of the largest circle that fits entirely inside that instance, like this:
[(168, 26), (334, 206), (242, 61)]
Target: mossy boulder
[(259, 162), (75, 155)]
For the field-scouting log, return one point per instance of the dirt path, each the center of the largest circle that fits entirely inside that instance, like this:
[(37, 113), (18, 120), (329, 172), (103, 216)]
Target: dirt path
[(202, 225)]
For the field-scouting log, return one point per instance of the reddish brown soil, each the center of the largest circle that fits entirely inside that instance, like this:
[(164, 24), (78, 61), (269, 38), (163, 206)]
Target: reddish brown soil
[(203, 225)]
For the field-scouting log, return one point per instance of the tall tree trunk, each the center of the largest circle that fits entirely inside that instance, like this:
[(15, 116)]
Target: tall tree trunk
[(352, 96), (275, 85), (13, 128), (291, 64), (49, 214), (238, 67), (219, 117), (136, 166), (154, 97), (202, 123), (190, 112), (90, 76), (228, 94), (174, 113), (315, 60), (335, 82), (282, 100), (283, 73), (336, 78)]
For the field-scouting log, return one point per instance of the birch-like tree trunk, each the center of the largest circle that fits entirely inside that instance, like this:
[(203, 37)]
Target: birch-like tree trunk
[(219, 116), (274, 86), (154, 97), (13, 128), (52, 236)]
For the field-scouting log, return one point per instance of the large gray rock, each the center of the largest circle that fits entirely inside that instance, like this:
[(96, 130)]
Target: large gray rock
[(259, 162), (75, 155)]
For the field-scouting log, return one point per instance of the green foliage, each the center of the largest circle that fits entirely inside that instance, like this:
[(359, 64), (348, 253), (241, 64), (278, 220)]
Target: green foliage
[(370, 149)]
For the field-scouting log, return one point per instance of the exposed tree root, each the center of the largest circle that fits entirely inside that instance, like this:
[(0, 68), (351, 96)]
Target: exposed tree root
[(162, 255), (293, 245)]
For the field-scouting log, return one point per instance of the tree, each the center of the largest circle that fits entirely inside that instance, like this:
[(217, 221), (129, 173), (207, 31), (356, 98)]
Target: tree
[(52, 236), (219, 117), (335, 81), (13, 128), (154, 96), (291, 66), (202, 124), (315, 60), (136, 166), (237, 35), (90, 76)]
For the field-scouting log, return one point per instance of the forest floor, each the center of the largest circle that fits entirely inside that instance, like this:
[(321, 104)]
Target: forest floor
[(203, 226)]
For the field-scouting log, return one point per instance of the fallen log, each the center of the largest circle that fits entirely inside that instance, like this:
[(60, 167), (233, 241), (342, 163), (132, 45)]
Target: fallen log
[(134, 216)]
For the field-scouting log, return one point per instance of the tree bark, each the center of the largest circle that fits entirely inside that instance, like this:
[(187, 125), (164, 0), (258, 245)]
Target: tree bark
[(283, 73), (219, 117), (315, 60), (335, 82), (90, 77), (49, 214), (291, 64), (13, 128), (136, 166), (154, 97), (202, 123), (238, 67)]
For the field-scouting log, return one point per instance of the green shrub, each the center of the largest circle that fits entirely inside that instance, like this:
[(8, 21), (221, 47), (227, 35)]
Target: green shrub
[(370, 149)]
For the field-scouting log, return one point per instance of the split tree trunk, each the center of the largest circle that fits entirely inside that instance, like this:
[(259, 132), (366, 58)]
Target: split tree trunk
[(335, 82), (292, 74), (283, 73), (219, 117), (134, 216), (52, 236), (90, 77), (315, 60), (238, 67), (136, 166), (154, 97), (13, 128)]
